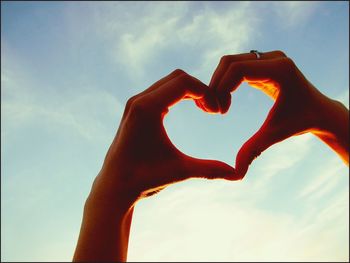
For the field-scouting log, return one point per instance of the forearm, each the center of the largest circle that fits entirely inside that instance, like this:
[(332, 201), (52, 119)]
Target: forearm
[(104, 234), (334, 130)]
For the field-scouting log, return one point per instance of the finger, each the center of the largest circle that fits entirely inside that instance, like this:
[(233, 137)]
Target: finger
[(209, 102), (178, 88), (275, 129), (209, 169), (154, 86), (173, 74), (226, 61), (272, 70)]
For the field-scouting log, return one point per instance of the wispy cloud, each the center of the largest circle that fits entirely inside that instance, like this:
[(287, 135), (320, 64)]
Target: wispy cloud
[(278, 157), (21, 104), (325, 181), (294, 13), (277, 161), (137, 49), (189, 219), (209, 33)]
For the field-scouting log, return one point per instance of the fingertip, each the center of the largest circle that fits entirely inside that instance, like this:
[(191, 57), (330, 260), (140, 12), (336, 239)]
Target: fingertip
[(224, 102), (230, 174), (242, 164), (210, 103), (220, 170), (240, 174), (234, 176)]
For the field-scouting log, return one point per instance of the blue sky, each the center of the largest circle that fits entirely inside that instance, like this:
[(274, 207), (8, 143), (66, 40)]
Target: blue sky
[(67, 70)]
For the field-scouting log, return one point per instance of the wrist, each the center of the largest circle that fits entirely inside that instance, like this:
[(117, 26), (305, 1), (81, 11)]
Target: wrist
[(108, 195), (333, 126), (106, 224), (334, 118)]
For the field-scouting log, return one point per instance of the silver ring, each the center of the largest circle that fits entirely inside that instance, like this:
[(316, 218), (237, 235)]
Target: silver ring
[(257, 53)]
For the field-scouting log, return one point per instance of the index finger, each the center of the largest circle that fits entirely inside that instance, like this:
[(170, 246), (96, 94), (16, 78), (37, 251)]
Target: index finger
[(212, 102), (169, 93), (226, 61), (278, 70)]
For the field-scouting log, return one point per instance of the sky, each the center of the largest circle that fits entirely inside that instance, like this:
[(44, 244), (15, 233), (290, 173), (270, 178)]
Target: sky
[(67, 70)]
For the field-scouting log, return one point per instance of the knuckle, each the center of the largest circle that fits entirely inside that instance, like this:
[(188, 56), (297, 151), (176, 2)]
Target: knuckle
[(183, 75), (226, 59), (289, 63), (236, 67), (183, 78), (280, 53), (129, 103), (178, 72), (137, 107)]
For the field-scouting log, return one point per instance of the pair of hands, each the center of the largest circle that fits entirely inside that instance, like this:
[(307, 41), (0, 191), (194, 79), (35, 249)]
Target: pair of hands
[(142, 160)]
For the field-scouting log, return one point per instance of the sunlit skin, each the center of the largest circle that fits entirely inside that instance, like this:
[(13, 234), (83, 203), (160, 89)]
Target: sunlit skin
[(142, 160), (299, 107)]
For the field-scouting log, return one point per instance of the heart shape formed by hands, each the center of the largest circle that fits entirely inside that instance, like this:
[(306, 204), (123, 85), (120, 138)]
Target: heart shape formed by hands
[(142, 160), (145, 157)]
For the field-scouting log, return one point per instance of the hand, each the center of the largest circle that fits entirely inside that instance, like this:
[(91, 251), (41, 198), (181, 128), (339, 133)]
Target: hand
[(299, 106), (142, 160)]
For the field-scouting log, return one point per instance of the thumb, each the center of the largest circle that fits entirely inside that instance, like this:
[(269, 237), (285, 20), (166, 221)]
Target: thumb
[(209, 169), (271, 132), (251, 149)]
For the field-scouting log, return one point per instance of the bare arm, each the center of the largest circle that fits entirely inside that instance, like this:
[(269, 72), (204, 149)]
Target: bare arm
[(104, 233)]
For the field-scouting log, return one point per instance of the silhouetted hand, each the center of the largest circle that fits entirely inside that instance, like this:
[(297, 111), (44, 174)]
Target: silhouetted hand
[(141, 157), (299, 106), (140, 161)]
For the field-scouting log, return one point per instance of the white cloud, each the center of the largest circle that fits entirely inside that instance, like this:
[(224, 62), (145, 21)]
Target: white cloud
[(77, 115), (135, 50), (294, 13), (167, 29), (21, 104), (277, 157), (277, 160), (187, 223), (325, 180)]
